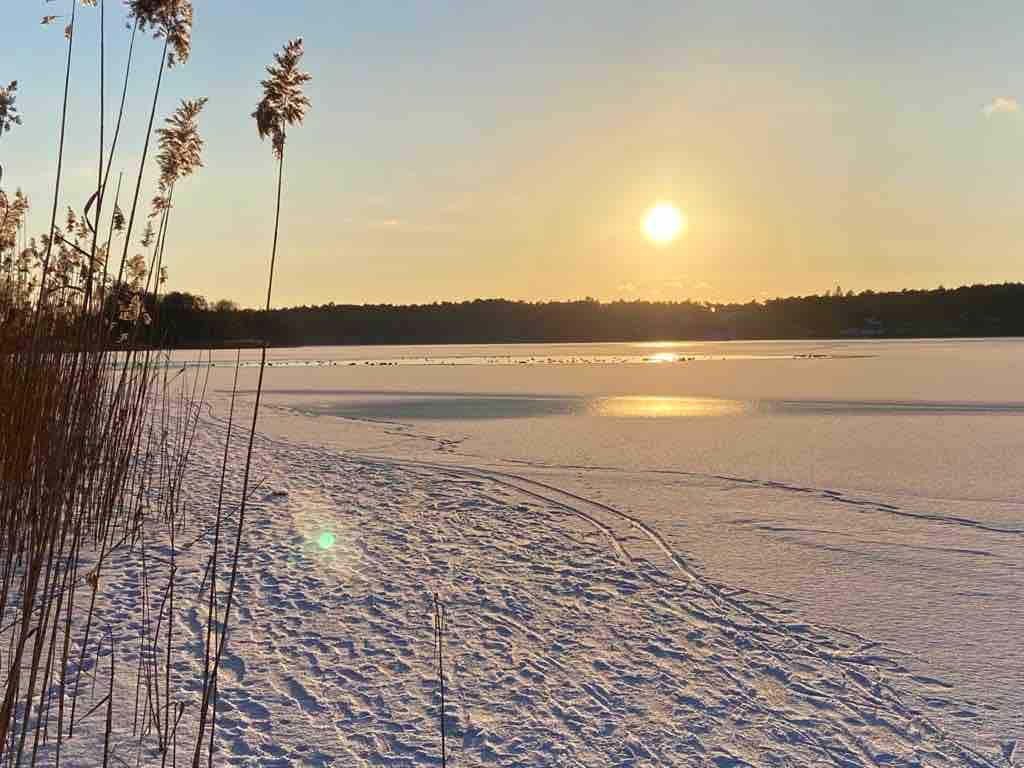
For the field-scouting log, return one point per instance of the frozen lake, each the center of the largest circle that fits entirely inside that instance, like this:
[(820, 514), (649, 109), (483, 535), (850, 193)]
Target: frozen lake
[(871, 486)]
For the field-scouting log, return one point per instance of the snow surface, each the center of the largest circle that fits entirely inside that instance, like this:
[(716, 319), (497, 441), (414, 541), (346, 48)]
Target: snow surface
[(714, 554)]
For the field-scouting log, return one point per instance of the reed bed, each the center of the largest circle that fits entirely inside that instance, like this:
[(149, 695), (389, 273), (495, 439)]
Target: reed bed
[(98, 424)]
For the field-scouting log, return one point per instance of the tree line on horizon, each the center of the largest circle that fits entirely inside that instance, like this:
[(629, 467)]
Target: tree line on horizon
[(189, 320)]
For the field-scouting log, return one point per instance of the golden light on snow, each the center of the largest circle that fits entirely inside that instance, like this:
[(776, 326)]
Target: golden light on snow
[(663, 223), (668, 407), (663, 357)]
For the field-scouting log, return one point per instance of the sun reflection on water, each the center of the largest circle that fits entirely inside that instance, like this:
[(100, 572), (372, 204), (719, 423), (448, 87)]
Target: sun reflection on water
[(667, 407), (663, 344)]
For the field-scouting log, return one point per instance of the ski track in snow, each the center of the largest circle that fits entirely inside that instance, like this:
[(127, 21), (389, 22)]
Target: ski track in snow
[(448, 446), (577, 636)]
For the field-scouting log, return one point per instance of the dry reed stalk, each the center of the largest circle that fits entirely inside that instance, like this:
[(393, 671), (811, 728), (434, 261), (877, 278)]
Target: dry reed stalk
[(283, 105), (73, 416)]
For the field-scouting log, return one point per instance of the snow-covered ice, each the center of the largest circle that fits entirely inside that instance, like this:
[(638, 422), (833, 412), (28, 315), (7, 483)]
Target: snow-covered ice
[(715, 554)]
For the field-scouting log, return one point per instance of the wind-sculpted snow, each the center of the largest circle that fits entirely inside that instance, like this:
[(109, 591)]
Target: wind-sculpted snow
[(577, 635)]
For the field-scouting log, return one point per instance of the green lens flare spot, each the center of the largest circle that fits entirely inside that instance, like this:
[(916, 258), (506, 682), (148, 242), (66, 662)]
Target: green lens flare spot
[(325, 540)]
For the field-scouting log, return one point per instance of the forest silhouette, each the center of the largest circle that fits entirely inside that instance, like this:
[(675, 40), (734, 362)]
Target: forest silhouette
[(189, 320)]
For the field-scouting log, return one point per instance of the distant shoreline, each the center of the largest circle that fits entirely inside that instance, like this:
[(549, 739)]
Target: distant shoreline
[(256, 345), (978, 311)]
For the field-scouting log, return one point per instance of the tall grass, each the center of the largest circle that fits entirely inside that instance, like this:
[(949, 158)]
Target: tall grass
[(96, 430), (98, 426)]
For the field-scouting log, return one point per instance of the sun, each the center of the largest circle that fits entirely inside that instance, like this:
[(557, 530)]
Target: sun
[(663, 223)]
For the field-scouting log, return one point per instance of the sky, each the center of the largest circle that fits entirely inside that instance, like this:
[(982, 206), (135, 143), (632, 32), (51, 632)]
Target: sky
[(457, 150)]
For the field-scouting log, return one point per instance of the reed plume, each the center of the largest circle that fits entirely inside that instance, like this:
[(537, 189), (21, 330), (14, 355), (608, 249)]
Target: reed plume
[(9, 116), (180, 145), (283, 103), (181, 148), (12, 215), (78, 477), (168, 19)]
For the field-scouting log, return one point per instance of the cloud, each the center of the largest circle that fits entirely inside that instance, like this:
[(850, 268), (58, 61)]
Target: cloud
[(1002, 105)]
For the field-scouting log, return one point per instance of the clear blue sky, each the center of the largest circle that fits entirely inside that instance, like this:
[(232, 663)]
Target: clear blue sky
[(469, 149)]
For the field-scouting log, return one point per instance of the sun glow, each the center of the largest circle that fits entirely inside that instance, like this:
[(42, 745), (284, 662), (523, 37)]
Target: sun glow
[(663, 223)]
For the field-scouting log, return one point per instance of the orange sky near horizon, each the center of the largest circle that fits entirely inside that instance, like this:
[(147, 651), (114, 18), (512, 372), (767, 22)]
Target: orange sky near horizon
[(461, 150)]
